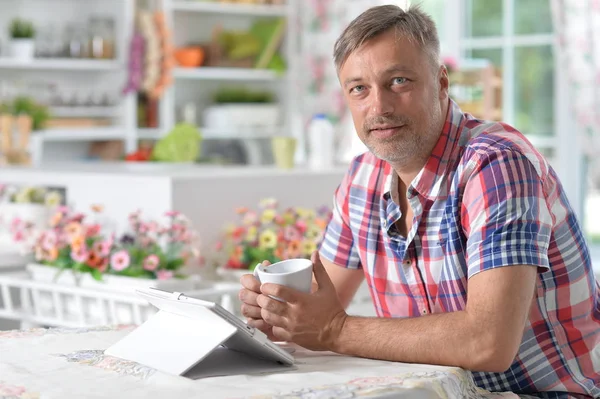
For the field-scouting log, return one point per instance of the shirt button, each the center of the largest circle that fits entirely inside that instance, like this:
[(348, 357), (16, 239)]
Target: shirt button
[(424, 311), (384, 223), (407, 262)]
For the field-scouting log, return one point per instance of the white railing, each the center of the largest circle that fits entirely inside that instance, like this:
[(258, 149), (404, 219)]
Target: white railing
[(48, 304)]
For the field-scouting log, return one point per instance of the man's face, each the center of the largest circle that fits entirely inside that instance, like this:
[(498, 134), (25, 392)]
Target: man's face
[(395, 97)]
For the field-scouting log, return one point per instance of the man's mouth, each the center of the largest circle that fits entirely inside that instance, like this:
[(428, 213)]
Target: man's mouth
[(385, 131)]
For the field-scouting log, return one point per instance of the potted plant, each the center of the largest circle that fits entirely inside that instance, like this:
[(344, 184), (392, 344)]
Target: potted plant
[(22, 34), (78, 250), (269, 234), (239, 109)]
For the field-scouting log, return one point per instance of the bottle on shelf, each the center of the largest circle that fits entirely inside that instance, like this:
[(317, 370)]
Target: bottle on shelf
[(321, 136)]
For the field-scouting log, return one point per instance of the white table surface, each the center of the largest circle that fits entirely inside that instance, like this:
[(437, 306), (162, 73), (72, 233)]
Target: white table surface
[(69, 363)]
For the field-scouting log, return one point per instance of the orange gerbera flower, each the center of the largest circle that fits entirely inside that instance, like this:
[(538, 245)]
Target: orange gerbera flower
[(73, 229), (94, 260), (56, 219), (52, 254), (77, 243)]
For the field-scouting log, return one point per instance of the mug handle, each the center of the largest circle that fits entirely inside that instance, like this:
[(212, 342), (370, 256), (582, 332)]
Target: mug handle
[(256, 272)]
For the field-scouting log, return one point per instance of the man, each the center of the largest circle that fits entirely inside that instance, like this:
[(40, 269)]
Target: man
[(464, 234)]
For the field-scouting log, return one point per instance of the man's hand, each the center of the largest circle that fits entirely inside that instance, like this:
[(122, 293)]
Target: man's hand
[(250, 308), (310, 320)]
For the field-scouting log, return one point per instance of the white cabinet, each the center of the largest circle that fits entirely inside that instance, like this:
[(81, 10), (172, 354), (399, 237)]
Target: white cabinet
[(189, 21)]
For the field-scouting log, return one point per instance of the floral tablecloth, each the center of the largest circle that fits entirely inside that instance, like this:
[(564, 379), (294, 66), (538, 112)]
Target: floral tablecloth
[(69, 363)]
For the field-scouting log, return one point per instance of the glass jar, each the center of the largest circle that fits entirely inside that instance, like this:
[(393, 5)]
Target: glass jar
[(77, 43), (102, 38)]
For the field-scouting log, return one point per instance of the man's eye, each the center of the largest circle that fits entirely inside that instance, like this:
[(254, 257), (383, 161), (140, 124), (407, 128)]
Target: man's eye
[(399, 81), (357, 89)]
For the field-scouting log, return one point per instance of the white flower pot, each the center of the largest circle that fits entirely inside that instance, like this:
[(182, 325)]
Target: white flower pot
[(237, 117), (87, 308), (22, 49), (123, 284)]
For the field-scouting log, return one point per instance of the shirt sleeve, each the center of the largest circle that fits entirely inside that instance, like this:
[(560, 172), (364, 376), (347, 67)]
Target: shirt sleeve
[(337, 245), (504, 213)]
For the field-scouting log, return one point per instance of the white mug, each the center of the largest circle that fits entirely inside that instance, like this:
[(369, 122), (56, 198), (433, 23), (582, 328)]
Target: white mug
[(293, 273)]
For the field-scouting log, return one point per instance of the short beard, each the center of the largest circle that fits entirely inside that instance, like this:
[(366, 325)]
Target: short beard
[(409, 146)]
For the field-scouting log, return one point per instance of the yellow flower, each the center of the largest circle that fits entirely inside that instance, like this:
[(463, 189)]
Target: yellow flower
[(306, 214), (308, 247), (251, 234), (53, 199), (267, 240), (267, 216), (302, 213), (289, 217), (312, 233)]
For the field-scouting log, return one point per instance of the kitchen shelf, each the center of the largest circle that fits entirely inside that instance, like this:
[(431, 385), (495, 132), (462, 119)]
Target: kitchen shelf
[(208, 133), (87, 134), (213, 73), (65, 64), (260, 10), (83, 111)]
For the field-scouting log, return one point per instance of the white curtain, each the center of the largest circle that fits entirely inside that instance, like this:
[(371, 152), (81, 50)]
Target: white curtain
[(577, 25)]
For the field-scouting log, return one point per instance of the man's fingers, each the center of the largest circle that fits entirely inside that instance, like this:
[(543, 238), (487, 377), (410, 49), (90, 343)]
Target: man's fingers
[(250, 283), (281, 334), (273, 319), (249, 297), (280, 291), (272, 305), (250, 311)]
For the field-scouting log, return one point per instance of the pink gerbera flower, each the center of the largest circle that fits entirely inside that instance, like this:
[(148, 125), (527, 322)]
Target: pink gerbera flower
[(120, 260), (151, 263), (49, 240), (80, 255)]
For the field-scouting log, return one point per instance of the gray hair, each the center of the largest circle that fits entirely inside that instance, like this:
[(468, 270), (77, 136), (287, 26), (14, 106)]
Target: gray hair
[(414, 24)]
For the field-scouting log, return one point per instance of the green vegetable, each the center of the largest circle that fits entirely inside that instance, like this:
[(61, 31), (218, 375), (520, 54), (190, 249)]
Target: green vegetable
[(182, 144), (242, 95), (25, 105)]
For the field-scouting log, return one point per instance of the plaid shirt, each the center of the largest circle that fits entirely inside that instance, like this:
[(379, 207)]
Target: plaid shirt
[(485, 199)]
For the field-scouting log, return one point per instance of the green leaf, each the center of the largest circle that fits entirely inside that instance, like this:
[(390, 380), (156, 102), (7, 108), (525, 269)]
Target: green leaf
[(97, 275)]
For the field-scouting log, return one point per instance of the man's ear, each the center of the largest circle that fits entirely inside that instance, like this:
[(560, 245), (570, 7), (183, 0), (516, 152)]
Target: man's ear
[(444, 82)]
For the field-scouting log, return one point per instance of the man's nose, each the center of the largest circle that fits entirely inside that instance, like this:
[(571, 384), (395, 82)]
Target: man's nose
[(382, 102)]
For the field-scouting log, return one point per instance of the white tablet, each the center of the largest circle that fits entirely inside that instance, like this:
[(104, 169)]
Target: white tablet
[(199, 339)]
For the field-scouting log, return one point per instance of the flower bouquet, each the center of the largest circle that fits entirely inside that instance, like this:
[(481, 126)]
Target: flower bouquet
[(148, 251), (271, 234)]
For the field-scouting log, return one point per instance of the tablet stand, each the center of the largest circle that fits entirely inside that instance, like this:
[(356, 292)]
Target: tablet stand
[(178, 344)]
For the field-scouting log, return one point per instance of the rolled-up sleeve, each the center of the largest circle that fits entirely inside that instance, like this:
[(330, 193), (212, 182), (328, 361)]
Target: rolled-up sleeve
[(504, 213)]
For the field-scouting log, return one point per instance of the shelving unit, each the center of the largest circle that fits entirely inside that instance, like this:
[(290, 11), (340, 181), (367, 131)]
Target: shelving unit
[(227, 74), (259, 10), (189, 84), (62, 64)]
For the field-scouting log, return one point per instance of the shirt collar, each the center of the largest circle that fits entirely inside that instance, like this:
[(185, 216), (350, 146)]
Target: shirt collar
[(431, 181)]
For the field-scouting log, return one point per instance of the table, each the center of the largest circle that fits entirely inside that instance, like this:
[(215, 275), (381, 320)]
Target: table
[(69, 363)]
